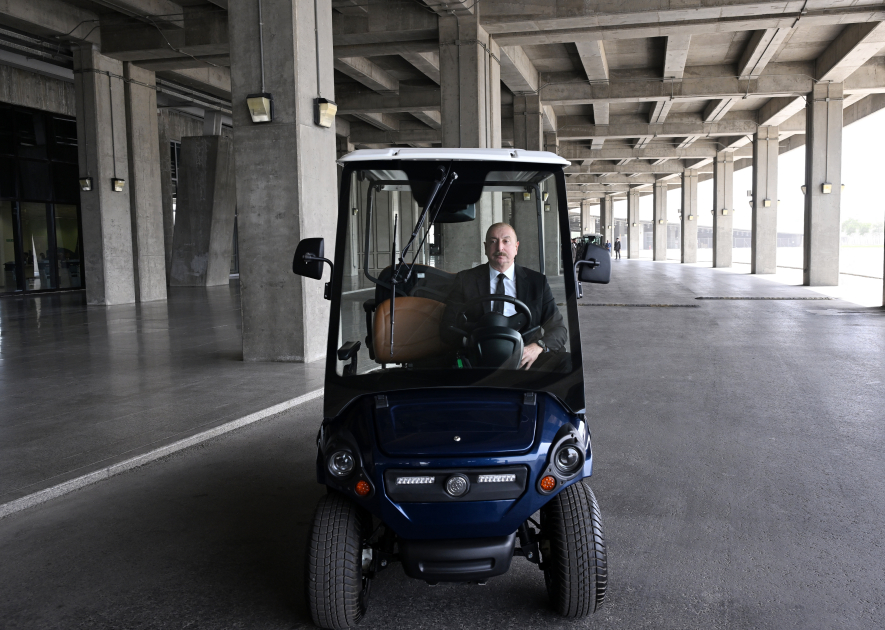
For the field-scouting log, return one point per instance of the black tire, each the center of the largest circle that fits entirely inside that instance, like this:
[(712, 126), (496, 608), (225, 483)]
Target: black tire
[(337, 590), (573, 552)]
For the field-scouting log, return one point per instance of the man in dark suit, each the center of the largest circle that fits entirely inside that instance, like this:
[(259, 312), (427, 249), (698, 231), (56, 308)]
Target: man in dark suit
[(501, 275)]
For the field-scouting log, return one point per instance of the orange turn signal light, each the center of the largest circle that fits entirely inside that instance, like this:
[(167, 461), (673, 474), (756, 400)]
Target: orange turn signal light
[(362, 488), (548, 483)]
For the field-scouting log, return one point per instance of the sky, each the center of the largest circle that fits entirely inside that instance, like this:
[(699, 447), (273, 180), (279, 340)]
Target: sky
[(862, 198)]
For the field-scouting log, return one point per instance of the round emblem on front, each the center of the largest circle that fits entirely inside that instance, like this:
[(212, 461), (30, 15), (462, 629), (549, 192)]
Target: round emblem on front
[(457, 485), (457, 438)]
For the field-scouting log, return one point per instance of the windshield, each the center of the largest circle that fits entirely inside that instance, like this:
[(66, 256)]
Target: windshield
[(453, 274)]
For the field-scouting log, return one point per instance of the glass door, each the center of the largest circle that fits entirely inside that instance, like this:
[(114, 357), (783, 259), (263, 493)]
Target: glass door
[(37, 254), (67, 247)]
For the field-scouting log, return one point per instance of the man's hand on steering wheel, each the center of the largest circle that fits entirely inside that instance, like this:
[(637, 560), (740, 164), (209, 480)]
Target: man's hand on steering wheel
[(529, 354)]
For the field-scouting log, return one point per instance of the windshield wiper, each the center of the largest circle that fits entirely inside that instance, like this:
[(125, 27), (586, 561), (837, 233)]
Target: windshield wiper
[(448, 178)]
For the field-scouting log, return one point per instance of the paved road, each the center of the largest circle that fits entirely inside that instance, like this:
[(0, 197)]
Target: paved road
[(739, 449)]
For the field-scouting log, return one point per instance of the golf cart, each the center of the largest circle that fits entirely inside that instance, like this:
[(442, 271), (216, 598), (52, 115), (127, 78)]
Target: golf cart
[(439, 449)]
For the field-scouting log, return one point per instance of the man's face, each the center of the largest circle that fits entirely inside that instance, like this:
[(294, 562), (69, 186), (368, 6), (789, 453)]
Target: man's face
[(501, 247)]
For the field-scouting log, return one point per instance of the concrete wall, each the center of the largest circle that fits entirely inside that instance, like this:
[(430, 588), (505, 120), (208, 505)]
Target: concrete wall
[(28, 89)]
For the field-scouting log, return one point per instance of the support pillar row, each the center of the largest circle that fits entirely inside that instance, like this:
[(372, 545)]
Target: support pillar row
[(823, 165), (723, 200), (607, 217), (689, 223), (763, 238)]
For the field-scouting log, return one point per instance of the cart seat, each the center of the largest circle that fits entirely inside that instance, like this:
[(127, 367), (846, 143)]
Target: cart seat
[(425, 281), (416, 330)]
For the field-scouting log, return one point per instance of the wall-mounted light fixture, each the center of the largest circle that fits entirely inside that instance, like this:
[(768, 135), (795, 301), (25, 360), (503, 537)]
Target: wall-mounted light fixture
[(766, 203), (260, 107), (546, 206), (546, 194), (843, 186), (354, 210), (324, 112), (724, 211), (691, 217), (660, 222), (118, 184), (86, 183), (526, 196), (803, 190), (826, 188)]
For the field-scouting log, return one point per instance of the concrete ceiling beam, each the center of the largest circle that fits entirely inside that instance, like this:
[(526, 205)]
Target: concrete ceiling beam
[(384, 122), (52, 18), (716, 110), (630, 129), (849, 51), (760, 49), (778, 110), (548, 117), (351, 7), (368, 73), (559, 23), (598, 168), (676, 55), (160, 12), (211, 79), (601, 113), (425, 62), (518, 73), (430, 118), (788, 80), (659, 111), (594, 60), (687, 142), (658, 150), (368, 135), (408, 100)]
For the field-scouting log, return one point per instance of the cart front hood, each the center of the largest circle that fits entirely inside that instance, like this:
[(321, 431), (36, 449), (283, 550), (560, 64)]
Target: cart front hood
[(456, 423)]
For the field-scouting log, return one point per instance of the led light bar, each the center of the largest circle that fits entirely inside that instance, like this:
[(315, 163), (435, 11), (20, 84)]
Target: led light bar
[(413, 481), (496, 478)]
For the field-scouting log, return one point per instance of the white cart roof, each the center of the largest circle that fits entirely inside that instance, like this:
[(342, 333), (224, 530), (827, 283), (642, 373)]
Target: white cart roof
[(486, 155)]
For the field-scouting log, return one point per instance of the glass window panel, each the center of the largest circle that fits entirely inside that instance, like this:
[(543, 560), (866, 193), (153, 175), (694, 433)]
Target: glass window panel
[(67, 246), (35, 180), (10, 272), (64, 146), (7, 146), (65, 182), (7, 177), (30, 128), (35, 246)]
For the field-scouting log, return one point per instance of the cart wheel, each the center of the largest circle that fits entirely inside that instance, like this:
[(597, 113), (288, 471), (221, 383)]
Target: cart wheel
[(573, 551), (336, 587)]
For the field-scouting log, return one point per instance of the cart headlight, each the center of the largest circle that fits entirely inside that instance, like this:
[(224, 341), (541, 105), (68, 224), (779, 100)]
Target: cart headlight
[(341, 464), (568, 459)]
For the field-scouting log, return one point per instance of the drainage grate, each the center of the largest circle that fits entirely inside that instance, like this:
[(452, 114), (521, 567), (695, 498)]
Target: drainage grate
[(643, 305), (764, 298)]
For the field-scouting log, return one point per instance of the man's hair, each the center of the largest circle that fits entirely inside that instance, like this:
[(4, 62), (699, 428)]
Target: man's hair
[(500, 224)]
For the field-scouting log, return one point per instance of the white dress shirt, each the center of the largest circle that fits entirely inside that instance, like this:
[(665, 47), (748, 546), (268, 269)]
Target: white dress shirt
[(509, 288)]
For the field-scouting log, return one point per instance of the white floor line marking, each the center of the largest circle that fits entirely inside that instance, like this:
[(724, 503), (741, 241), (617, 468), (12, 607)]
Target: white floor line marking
[(145, 458)]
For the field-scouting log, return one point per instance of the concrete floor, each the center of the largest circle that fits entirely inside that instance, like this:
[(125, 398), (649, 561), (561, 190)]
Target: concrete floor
[(85, 387), (739, 468)]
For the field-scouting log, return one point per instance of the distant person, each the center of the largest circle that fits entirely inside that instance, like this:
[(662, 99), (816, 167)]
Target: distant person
[(608, 247), (617, 248), (574, 250)]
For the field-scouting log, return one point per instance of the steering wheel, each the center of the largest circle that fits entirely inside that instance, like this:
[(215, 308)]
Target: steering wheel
[(521, 307)]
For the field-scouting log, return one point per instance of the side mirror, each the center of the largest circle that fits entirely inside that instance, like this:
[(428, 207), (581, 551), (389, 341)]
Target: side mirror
[(308, 261), (595, 265)]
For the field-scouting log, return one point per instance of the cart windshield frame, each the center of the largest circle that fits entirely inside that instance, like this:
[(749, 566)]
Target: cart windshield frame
[(341, 389)]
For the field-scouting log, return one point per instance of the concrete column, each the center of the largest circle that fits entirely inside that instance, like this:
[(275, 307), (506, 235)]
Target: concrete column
[(763, 238), (204, 219), (659, 233), (528, 126), (525, 222), (551, 142), (634, 228), (607, 218), (689, 223), (823, 165), (586, 221), (723, 189), (212, 124), (102, 155), (470, 82), (285, 175), (145, 193), (552, 240)]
